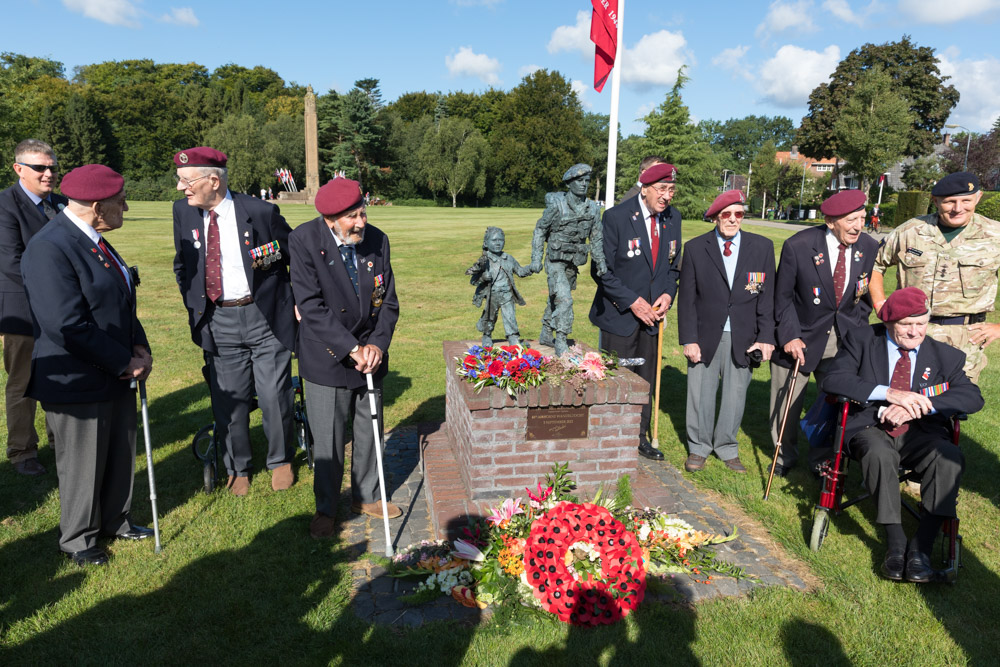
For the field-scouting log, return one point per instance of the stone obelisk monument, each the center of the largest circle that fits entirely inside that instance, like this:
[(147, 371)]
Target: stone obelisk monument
[(312, 146)]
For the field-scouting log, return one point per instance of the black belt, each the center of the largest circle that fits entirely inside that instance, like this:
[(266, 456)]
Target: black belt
[(234, 302), (960, 319)]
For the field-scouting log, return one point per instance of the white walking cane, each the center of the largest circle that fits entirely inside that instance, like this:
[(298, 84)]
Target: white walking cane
[(378, 459), (149, 461)]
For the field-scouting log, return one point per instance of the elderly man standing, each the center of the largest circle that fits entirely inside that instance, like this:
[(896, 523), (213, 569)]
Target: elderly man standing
[(25, 207), (346, 294), (232, 269), (642, 244), (904, 385), (89, 346), (725, 322), (821, 292), (951, 255), (644, 164)]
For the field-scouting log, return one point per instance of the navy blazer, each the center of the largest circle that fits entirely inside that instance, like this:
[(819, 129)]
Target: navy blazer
[(258, 222), (863, 363), (20, 219), (334, 318), (629, 278), (706, 299), (85, 322), (805, 265)]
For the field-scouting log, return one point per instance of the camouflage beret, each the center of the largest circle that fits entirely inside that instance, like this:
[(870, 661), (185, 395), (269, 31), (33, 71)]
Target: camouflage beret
[(576, 171)]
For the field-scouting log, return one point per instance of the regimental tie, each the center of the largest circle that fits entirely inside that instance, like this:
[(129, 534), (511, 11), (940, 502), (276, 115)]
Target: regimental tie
[(213, 259), (47, 209), (900, 380), (654, 237), (728, 252), (347, 253), (119, 269), (840, 277)]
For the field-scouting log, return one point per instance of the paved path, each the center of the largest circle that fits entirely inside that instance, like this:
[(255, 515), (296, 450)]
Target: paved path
[(656, 484)]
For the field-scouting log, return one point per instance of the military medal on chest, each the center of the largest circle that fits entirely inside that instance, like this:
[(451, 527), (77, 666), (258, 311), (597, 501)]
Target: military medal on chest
[(755, 282), (379, 292), (816, 292), (196, 233), (634, 248), (265, 255)]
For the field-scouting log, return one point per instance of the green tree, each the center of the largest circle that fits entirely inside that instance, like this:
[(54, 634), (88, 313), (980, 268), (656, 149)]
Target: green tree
[(923, 173), (21, 101), (354, 134), (241, 138), (984, 157), (453, 157), (413, 106), (872, 128), (915, 76), (75, 133), (742, 138), (595, 132)]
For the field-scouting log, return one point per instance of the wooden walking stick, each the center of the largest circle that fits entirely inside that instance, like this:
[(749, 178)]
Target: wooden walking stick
[(790, 388), (656, 403)]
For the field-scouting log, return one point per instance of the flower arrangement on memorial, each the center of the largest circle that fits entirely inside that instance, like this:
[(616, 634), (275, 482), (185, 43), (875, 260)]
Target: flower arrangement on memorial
[(514, 368), (587, 563)]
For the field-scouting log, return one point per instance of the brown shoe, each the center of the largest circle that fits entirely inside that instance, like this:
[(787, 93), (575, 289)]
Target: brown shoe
[(735, 465), (240, 486), (694, 463), (322, 527), (282, 477), (375, 509), (29, 467), (229, 482)]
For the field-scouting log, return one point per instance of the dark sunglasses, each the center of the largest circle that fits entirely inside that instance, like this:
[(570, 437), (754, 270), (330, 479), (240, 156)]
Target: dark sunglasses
[(725, 215), (40, 168)]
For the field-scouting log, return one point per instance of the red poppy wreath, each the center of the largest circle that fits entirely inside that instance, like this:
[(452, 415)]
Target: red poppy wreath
[(591, 599)]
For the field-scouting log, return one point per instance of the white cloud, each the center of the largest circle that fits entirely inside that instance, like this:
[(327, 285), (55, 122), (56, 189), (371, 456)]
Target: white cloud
[(979, 106), (573, 37), (581, 89), (468, 63), (783, 16), (933, 11), (732, 60), (787, 79), (181, 16), (655, 59), (527, 70), (113, 12)]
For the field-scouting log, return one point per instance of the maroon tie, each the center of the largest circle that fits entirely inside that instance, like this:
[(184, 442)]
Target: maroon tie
[(213, 259), (839, 276), (654, 238), (112, 260), (900, 380), (729, 249)]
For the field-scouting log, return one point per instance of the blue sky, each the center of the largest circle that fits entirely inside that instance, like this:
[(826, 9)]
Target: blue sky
[(743, 57)]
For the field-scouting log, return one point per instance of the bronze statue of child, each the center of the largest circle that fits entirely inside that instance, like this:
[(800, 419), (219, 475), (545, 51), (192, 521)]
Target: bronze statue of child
[(493, 275)]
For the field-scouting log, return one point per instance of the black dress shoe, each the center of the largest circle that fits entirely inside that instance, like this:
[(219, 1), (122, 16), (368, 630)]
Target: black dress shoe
[(781, 470), (650, 452), (135, 533), (918, 567), (892, 566), (91, 556)]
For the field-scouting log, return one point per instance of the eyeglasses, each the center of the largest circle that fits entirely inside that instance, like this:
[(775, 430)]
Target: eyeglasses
[(738, 215), (661, 189), (40, 168), (188, 183)]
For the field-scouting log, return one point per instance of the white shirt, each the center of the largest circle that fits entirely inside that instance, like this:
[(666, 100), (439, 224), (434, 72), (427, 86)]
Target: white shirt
[(833, 248), (95, 238), (645, 219), (234, 277)]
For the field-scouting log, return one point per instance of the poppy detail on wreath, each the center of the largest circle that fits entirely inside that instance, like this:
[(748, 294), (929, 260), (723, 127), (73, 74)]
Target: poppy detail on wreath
[(597, 597)]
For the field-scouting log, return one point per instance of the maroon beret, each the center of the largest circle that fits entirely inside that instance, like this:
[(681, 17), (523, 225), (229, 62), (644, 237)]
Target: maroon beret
[(727, 198), (905, 302), (658, 172), (337, 196), (200, 156), (92, 182), (844, 202)]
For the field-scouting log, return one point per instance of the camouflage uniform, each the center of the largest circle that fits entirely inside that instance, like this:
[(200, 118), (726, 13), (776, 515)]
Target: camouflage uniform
[(959, 277)]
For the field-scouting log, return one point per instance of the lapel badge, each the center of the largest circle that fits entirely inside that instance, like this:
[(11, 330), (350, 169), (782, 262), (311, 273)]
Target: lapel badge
[(926, 375), (858, 255), (370, 265), (818, 259)]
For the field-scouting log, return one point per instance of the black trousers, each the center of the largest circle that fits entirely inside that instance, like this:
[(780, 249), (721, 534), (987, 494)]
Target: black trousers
[(639, 344)]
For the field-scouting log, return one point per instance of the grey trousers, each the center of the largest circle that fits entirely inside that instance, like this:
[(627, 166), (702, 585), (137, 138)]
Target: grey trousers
[(702, 387), (330, 410), (789, 455), (95, 464), (250, 357), (933, 456)]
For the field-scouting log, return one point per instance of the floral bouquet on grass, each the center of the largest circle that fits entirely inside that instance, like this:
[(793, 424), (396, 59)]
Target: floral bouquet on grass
[(586, 563), (511, 367)]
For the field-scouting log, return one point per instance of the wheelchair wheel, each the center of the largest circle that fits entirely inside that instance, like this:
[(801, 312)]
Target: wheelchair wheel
[(203, 444), (821, 524), (208, 474)]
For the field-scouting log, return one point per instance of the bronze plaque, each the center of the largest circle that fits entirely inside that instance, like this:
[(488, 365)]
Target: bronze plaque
[(557, 423)]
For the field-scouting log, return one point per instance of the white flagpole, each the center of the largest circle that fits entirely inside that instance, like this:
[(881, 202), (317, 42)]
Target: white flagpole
[(609, 193)]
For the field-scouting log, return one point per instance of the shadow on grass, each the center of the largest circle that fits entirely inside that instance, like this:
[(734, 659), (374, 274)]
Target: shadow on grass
[(807, 644), (28, 568)]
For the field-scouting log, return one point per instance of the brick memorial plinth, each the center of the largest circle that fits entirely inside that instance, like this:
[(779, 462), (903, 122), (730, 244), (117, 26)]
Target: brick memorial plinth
[(502, 444)]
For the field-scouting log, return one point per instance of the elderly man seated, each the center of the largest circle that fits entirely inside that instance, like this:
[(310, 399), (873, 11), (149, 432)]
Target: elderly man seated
[(907, 385)]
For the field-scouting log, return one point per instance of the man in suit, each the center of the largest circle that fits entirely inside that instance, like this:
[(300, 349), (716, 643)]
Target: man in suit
[(904, 386), (346, 294), (89, 346), (24, 208), (821, 293), (232, 270), (725, 322), (642, 248), (646, 163)]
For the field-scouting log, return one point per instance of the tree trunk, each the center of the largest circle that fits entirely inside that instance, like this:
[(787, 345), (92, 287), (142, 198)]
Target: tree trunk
[(453, 200)]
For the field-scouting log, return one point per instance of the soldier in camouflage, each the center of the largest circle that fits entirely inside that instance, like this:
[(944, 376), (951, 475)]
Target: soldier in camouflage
[(569, 220), (953, 256)]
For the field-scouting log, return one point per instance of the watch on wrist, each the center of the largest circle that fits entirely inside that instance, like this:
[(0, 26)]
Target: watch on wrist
[(355, 349)]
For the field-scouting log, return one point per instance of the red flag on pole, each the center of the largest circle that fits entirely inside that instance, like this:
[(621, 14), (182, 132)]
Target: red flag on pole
[(881, 179), (604, 35)]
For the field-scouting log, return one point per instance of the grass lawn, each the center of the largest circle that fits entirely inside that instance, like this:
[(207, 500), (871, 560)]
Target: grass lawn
[(239, 580)]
